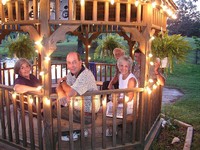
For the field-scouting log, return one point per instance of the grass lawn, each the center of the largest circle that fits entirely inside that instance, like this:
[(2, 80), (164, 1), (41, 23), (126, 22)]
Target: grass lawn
[(186, 77)]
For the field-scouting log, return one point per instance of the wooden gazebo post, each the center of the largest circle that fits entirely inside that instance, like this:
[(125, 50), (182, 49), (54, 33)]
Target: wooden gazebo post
[(46, 67)]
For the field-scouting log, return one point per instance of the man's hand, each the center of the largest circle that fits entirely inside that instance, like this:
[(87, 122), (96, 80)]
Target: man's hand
[(64, 78)]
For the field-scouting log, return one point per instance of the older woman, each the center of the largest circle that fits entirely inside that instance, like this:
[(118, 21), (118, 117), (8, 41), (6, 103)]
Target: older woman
[(26, 81), (126, 78)]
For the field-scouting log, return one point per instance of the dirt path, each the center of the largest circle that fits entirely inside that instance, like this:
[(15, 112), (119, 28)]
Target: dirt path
[(170, 95)]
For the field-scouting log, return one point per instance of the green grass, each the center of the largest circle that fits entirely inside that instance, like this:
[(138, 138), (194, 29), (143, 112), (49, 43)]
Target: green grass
[(186, 77), (64, 48)]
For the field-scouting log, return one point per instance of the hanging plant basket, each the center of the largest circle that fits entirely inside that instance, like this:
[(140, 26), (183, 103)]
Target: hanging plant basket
[(21, 46), (174, 47), (163, 62)]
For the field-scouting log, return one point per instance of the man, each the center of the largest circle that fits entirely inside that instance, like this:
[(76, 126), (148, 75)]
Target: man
[(79, 81), (117, 52), (154, 71)]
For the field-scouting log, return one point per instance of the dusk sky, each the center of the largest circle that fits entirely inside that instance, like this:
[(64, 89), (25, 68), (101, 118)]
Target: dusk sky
[(198, 5)]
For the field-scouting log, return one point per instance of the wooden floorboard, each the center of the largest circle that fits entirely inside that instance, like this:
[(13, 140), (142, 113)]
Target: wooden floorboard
[(4, 146)]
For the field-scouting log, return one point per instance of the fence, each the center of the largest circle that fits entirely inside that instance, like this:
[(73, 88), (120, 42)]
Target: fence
[(25, 123), (101, 71), (27, 119)]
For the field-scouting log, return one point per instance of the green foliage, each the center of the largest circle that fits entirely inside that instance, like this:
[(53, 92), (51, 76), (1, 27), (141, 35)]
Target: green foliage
[(21, 46), (3, 51), (175, 47), (187, 78), (196, 42), (107, 45)]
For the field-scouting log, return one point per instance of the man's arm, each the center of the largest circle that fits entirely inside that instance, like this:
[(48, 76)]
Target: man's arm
[(64, 90), (113, 81)]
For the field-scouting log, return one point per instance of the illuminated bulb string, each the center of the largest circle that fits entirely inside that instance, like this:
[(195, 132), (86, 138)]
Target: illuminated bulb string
[(151, 85)]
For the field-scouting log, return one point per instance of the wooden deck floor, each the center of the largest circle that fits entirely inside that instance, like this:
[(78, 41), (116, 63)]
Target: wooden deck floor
[(4, 146)]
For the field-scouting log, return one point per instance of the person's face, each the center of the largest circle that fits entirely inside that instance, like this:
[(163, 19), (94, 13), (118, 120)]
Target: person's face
[(73, 64), (118, 54), (124, 67), (24, 70), (137, 57)]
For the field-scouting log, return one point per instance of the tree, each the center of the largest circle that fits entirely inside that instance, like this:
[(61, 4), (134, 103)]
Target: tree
[(188, 20)]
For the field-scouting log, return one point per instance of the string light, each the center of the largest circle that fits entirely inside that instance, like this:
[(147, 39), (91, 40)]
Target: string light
[(31, 100), (169, 12), (47, 101), (152, 38), (39, 88), (104, 101), (136, 3), (151, 63), (150, 55), (4, 2), (38, 43), (112, 2), (154, 86), (151, 80), (153, 4), (174, 16), (82, 2), (14, 95), (158, 83), (41, 73), (47, 58), (126, 98), (76, 103), (148, 90)]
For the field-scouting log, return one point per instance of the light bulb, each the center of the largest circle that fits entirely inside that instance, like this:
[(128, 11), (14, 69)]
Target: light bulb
[(136, 3), (47, 58), (150, 55), (153, 4), (112, 2), (4, 2)]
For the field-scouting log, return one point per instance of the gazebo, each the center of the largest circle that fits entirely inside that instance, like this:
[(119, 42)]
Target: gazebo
[(47, 22)]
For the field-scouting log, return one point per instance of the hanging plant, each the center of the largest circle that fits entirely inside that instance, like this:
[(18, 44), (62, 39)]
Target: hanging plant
[(20, 46), (174, 47), (107, 45)]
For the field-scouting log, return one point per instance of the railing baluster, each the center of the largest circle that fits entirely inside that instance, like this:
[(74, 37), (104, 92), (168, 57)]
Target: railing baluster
[(22, 115), (8, 115), (30, 116), (2, 114), (39, 121), (15, 113), (138, 119)]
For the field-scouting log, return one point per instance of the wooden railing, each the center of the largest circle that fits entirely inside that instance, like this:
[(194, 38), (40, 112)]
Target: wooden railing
[(101, 71), (26, 126)]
